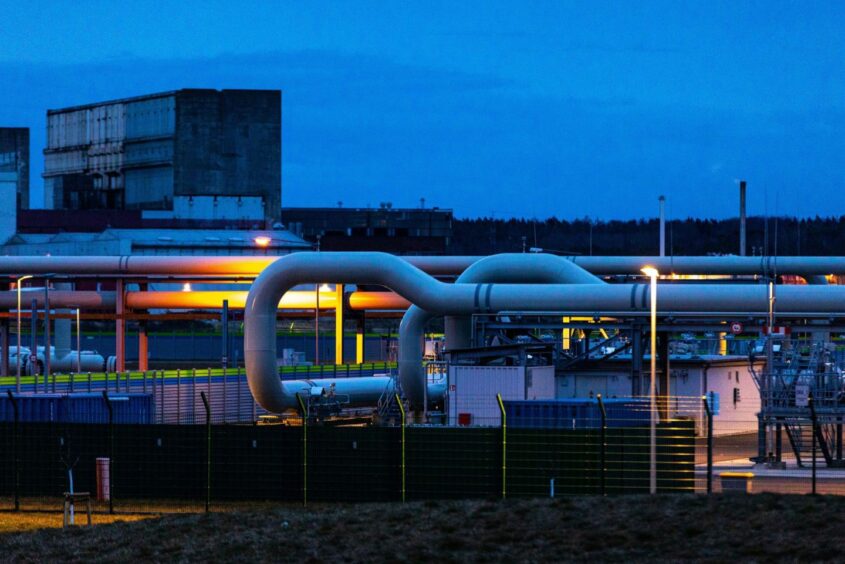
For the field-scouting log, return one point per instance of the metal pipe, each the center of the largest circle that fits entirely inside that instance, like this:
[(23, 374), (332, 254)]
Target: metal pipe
[(190, 265), (248, 267), (504, 268), (438, 297)]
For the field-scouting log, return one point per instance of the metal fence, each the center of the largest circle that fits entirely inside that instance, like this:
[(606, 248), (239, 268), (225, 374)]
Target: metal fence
[(175, 393), (526, 449)]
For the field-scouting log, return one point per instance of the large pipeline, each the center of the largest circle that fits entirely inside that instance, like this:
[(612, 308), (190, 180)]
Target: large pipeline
[(250, 266), (245, 266), (504, 268), (91, 300), (461, 299)]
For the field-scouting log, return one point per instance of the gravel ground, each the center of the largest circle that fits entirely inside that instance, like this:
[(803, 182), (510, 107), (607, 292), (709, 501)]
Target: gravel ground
[(756, 528)]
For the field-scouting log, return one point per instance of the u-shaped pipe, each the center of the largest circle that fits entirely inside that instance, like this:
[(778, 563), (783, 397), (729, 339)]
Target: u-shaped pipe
[(461, 299), (503, 268)]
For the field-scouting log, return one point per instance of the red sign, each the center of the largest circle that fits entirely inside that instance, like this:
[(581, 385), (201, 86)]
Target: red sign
[(777, 331), (736, 327)]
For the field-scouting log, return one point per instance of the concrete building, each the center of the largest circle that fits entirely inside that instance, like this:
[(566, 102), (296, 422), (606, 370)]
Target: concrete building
[(420, 231), (14, 162), (186, 154)]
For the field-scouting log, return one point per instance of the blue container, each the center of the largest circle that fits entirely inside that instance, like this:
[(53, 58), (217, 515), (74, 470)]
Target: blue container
[(79, 408), (576, 413)]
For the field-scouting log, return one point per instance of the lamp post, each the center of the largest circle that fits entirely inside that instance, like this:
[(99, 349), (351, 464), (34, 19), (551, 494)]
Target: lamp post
[(18, 377), (652, 274), (78, 344)]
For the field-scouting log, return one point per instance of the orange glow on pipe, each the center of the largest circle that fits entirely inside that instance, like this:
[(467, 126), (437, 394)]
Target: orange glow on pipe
[(237, 299)]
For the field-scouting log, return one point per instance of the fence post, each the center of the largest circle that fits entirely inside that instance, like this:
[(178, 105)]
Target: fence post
[(603, 447), (304, 412), (89, 382), (193, 396), (207, 451), (225, 395), (15, 456), (504, 447), (709, 415), (814, 421), (111, 450), (402, 464), (178, 397)]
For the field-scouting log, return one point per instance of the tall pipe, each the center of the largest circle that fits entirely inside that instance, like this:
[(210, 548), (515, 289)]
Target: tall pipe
[(662, 200), (742, 218), (504, 268), (441, 298)]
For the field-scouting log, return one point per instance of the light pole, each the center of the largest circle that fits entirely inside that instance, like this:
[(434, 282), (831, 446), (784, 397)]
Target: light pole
[(652, 274), (78, 345), (18, 377)]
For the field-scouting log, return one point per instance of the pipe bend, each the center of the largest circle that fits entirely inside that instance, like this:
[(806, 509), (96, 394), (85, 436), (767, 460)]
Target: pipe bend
[(300, 268), (502, 268)]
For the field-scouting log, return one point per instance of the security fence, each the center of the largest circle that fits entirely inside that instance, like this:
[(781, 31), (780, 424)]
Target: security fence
[(174, 394), (166, 467), (596, 446)]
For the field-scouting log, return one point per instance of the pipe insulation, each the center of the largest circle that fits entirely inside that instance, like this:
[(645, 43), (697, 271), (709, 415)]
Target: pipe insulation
[(504, 268), (465, 299), (249, 266), (189, 265)]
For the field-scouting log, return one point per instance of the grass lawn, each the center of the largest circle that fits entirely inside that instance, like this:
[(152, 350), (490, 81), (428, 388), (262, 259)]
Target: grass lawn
[(760, 528)]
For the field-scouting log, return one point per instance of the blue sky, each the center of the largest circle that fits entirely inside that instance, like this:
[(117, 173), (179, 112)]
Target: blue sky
[(506, 108)]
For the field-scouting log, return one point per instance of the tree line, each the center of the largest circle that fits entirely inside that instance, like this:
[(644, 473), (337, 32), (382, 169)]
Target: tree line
[(785, 236)]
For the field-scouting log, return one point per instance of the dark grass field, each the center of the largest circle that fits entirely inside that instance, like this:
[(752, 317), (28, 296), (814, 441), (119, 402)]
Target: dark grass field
[(756, 528)]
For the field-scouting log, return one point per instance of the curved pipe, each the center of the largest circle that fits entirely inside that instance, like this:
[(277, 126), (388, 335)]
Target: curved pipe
[(440, 298), (504, 268)]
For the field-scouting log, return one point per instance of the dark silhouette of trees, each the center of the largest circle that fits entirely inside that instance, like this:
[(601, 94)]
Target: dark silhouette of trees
[(774, 235)]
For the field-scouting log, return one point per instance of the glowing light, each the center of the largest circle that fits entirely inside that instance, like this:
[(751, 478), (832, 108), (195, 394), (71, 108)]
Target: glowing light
[(325, 288), (262, 241), (186, 287), (650, 271)]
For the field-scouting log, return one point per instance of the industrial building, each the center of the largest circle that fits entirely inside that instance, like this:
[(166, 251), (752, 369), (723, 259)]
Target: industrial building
[(418, 231), (184, 154), (14, 164)]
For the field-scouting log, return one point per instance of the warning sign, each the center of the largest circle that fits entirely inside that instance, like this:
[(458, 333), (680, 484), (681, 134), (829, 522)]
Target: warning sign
[(736, 327)]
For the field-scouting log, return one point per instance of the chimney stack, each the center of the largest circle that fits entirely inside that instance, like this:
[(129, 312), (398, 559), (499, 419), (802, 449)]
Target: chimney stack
[(742, 218)]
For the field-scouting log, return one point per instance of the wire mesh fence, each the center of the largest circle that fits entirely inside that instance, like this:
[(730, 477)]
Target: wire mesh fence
[(549, 448)]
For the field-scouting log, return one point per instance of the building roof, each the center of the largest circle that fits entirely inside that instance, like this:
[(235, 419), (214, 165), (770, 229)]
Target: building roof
[(156, 241), (150, 97)]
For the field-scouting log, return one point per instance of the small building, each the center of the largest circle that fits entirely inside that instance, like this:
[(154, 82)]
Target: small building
[(413, 231), (185, 154), (14, 162), (690, 377)]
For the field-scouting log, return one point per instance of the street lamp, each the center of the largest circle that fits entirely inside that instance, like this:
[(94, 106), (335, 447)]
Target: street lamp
[(652, 274), (18, 377), (78, 345)]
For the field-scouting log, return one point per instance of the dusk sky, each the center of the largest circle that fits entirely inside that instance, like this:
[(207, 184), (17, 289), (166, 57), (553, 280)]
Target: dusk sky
[(506, 108)]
